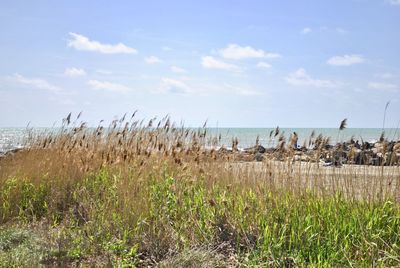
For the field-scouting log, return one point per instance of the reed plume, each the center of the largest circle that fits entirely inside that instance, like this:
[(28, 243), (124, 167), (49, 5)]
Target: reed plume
[(343, 124)]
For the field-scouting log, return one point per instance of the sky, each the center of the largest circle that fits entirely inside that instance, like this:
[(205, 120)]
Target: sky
[(308, 63)]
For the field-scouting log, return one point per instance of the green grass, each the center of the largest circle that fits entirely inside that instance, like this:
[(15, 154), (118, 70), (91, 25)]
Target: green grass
[(173, 221), (20, 247), (139, 196)]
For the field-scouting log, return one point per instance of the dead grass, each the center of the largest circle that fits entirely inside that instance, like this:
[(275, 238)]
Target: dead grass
[(150, 193)]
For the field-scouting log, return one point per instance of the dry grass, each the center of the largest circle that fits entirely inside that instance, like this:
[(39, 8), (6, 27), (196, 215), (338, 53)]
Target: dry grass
[(150, 193)]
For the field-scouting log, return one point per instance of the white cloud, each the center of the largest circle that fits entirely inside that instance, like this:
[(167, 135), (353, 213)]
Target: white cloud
[(385, 75), (305, 30), (346, 60), (341, 30), (212, 63), (176, 69), (152, 60), (108, 86), (169, 85), (236, 52), (165, 48), (383, 86), (394, 2), (74, 72), (80, 42), (263, 65), (301, 78), (35, 83)]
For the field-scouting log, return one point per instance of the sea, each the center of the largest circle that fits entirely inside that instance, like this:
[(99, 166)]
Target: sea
[(12, 138)]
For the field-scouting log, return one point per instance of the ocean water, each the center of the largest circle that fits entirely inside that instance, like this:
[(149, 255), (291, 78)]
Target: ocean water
[(11, 138), (247, 136)]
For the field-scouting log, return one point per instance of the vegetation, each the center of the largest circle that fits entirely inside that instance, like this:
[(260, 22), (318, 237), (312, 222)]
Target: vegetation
[(141, 195)]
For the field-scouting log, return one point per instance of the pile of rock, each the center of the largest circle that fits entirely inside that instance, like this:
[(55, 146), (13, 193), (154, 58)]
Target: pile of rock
[(377, 154), (9, 152)]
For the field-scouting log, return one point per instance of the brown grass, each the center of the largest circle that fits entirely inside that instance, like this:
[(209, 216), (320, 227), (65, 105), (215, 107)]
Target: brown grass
[(68, 154), (151, 191)]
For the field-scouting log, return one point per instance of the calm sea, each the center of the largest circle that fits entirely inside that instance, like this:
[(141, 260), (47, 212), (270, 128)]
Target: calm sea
[(11, 138)]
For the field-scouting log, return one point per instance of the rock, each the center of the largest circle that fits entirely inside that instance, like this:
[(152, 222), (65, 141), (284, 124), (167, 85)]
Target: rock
[(366, 145), (270, 150), (376, 160), (303, 158), (396, 147), (244, 157), (361, 158), (352, 154), (390, 146), (392, 159), (259, 157), (10, 152), (255, 149), (380, 147), (328, 147), (326, 164), (223, 150)]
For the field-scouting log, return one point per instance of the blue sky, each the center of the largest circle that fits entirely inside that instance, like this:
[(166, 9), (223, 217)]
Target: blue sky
[(233, 63)]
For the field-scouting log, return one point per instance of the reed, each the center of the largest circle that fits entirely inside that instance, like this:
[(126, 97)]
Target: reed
[(147, 193)]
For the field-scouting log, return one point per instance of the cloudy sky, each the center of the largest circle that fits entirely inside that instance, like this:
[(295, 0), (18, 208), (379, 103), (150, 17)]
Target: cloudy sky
[(249, 63)]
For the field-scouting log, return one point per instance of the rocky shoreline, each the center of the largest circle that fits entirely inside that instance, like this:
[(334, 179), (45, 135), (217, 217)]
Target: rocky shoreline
[(381, 153), (10, 151)]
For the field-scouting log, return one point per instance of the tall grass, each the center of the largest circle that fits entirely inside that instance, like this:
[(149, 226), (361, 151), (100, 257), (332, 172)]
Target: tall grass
[(140, 194)]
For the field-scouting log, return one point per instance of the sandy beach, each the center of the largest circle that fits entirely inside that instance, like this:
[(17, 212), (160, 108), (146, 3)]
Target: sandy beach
[(352, 180)]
